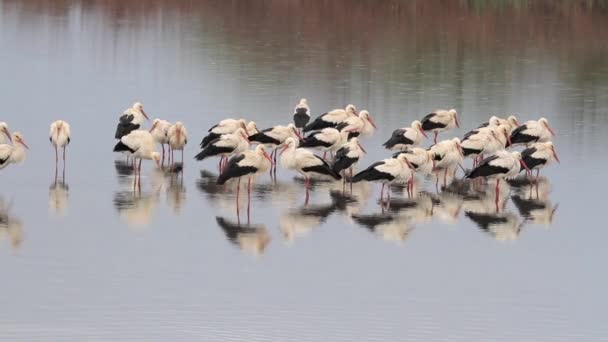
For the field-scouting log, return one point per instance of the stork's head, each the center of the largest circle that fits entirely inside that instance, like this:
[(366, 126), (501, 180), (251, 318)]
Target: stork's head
[(494, 121), (356, 142), (262, 152), (458, 146), (454, 116), (252, 127), (418, 125), (351, 109), (140, 108), (4, 130), (550, 145), (403, 159), (290, 143), (512, 119), (303, 102), (366, 117), (18, 138), (545, 123)]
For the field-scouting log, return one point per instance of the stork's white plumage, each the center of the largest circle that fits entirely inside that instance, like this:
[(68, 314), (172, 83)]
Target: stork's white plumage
[(141, 145), (228, 126), (275, 136), (305, 163), (421, 161), (178, 138), (248, 163), (406, 137), (332, 118), (386, 172), (348, 156), (360, 124), (511, 122), (326, 140), (531, 132), (225, 146), (13, 154), (60, 137), (477, 144), (501, 165), (439, 121), (131, 120), (159, 131), (447, 153), (539, 155), (4, 132)]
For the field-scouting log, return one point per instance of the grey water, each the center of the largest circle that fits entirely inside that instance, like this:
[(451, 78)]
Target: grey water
[(83, 257)]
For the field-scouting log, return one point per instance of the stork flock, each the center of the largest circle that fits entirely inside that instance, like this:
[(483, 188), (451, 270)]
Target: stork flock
[(339, 133)]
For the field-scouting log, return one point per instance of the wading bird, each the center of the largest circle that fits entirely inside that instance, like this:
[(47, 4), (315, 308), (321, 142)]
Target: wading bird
[(406, 137), (531, 132), (13, 154), (178, 138), (225, 146), (59, 136), (228, 126), (348, 156), (159, 131), (140, 145), (502, 165), (440, 120), (301, 115), (448, 154), (131, 120), (274, 137), (361, 124), (386, 172), (332, 118), (248, 163), (305, 163), (327, 140), (538, 156)]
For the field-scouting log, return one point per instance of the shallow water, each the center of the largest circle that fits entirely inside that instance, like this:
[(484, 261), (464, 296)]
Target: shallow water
[(83, 257)]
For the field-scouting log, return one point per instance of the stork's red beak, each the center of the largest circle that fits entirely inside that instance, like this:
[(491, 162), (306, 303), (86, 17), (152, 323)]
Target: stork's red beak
[(153, 126), (523, 163), (297, 134), (268, 157), (550, 130), (508, 138), (456, 121), (8, 134), (423, 134), (361, 147), (22, 142), (145, 115), (371, 121), (555, 154)]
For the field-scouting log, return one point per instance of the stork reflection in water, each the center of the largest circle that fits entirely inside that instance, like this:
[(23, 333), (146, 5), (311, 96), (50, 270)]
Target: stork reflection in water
[(250, 238)]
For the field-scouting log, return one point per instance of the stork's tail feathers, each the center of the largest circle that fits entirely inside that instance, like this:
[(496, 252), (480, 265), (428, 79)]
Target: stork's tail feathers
[(120, 147)]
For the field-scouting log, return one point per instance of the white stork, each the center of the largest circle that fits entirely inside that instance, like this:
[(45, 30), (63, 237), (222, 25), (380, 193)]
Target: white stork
[(301, 115), (159, 131), (502, 165), (228, 126), (332, 118), (178, 138), (305, 163), (131, 120), (248, 163), (406, 137), (139, 144), (420, 160), (275, 136), (13, 154), (361, 124), (348, 156), (225, 145), (60, 137), (448, 154), (327, 140), (439, 121), (386, 172), (539, 155), (531, 132), (4, 132)]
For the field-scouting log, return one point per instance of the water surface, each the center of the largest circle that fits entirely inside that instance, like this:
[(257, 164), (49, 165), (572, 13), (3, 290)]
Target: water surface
[(85, 258)]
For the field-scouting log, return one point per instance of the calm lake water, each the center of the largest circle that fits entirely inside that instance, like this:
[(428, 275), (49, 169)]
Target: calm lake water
[(85, 258)]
